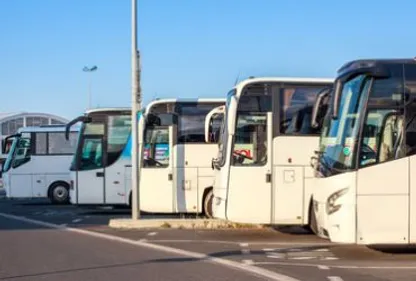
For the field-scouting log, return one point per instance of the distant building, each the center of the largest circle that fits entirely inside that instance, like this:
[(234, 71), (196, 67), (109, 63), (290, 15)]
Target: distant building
[(11, 122)]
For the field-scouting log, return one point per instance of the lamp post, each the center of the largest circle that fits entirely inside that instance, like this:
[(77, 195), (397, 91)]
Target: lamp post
[(89, 70), (136, 101)]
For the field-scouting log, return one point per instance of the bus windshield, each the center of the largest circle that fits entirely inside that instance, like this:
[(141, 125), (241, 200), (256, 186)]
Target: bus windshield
[(19, 153), (339, 136), (90, 146)]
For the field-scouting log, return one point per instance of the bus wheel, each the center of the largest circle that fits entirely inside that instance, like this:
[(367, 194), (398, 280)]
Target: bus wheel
[(59, 193), (312, 221), (209, 196)]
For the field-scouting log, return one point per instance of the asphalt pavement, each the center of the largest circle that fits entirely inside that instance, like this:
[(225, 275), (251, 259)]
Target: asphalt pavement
[(177, 254)]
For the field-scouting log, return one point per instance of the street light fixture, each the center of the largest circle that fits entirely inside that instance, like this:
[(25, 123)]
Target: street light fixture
[(89, 69)]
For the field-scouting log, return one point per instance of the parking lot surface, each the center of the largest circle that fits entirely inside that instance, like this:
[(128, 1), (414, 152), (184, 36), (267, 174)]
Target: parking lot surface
[(290, 251)]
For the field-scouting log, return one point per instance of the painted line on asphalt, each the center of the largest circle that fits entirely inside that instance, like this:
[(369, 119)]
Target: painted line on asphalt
[(323, 267), (76, 220), (270, 275), (334, 278), (151, 233), (245, 251), (276, 256), (234, 243), (334, 266)]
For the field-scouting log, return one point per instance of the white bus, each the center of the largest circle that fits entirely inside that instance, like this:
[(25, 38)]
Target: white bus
[(38, 163), (176, 174), (263, 171), (365, 191), (100, 170)]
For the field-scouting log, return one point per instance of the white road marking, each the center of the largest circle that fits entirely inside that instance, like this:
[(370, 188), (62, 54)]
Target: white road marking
[(323, 267), (271, 275), (151, 233), (269, 250), (321, 250), (245, 251), (331, 258), (276, 256), (244, 244), (76, 220), (249, 262), (335, 266), (301, 258), (334, 278)]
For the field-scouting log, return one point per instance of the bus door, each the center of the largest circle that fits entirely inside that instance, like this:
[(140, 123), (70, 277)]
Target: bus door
[(156, 175), (90, 176), (20, 178), (249, 186), (118, 132), (291, 174)]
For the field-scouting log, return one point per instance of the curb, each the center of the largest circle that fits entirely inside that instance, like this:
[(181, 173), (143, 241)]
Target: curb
[(177, 224)]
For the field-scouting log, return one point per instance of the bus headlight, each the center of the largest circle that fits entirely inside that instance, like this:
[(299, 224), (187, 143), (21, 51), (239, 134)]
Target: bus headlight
[(331, 206)]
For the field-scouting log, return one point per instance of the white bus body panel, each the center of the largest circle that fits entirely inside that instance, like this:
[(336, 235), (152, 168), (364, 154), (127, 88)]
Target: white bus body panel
[(190, 167), (115, 182), (33, 178), (328, 226), (284, 201), (412, 201), (375, 210), (292, 179), (90, 187), (383, 203), (192, 175)]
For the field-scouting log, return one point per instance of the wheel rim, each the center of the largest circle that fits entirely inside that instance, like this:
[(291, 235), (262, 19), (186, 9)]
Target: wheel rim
[(60, 193)]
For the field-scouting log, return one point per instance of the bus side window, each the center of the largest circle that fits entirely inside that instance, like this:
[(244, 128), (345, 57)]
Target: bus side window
[(92, 154), (156, 150), (382, 137)]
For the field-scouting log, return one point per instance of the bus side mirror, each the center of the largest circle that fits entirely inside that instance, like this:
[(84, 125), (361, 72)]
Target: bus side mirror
[(82, 118), (318, 107), (211, 133), (3, 146)]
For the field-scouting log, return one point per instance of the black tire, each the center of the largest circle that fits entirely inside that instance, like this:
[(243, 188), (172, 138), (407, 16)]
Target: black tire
[(312, 220), (59, 193), (207, 207)]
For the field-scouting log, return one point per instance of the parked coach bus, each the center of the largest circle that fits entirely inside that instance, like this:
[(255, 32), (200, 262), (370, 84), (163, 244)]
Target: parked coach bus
[(38, 163), (365, 191), (175, 173), (263, 172)]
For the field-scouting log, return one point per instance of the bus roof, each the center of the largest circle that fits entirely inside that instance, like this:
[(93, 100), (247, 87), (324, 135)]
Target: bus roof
[(46, 128), (184, 100), (312, 80), (361, 63), (105, 109)]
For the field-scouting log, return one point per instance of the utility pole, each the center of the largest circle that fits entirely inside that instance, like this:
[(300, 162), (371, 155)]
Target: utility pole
[(136, 101)]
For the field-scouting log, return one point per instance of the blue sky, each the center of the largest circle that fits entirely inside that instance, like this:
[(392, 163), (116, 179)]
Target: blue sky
[(190, 48)]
